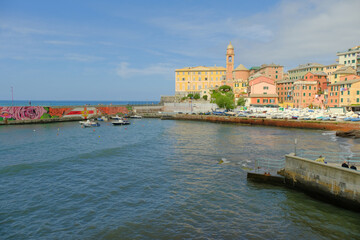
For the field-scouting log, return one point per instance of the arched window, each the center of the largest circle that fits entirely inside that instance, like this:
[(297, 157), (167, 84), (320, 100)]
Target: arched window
[(230, 58)]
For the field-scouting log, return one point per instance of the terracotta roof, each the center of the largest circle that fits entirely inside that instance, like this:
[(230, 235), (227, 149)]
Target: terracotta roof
[(306, 82), (319, 73), (240, 67), (285, 81), (346, 82), (264, 95), (200, 68), (307, 65), (346, 70)]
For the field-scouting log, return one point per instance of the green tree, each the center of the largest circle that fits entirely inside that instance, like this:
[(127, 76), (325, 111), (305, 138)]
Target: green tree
[(241, 102), (190, 95), (205, 97), (225, 88), (197, 96), (224, 99)]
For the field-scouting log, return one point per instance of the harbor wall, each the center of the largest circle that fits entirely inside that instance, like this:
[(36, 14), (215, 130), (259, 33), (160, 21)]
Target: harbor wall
[(326, 125), (22, 113), (336, 184)]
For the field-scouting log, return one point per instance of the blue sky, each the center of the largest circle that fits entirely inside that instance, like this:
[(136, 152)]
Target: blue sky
[(128, 50)]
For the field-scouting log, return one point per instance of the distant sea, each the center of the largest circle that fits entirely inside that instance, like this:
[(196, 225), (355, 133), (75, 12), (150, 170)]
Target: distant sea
[(72, 103)]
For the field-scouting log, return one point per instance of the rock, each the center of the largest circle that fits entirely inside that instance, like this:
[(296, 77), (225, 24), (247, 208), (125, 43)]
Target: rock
[(349, 134)]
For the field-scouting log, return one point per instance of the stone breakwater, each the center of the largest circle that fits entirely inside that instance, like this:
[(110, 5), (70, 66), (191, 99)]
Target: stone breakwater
[(326, 125)]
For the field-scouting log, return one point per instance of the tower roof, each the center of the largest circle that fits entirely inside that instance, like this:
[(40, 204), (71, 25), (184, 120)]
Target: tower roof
[(230, 46), (240, 67)]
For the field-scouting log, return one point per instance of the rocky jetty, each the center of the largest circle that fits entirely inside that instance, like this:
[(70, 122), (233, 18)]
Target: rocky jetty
[(349, 134)]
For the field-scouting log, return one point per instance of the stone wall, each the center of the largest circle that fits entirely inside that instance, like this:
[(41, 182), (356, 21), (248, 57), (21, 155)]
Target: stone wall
[(334, 183)]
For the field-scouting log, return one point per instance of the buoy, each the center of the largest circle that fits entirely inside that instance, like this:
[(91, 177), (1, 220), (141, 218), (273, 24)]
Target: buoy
[(93, 130)]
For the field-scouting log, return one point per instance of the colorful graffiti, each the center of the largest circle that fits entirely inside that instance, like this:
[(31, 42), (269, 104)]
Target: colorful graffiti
[(38, 112), (22, 113)]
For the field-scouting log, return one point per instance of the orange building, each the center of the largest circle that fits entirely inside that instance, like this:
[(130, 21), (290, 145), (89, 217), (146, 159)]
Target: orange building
[(284, 88), (319, 77), (272, 71), (305, 93)]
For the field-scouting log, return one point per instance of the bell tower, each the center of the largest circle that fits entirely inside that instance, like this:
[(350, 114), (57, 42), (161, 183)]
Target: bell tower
[(229, 62)]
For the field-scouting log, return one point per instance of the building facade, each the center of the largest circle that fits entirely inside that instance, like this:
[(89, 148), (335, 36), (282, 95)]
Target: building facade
[(300, 71), (195, 79), (345, 92), (272, 71), (263, 92), (284, 89), (305, 93), (349, 57)]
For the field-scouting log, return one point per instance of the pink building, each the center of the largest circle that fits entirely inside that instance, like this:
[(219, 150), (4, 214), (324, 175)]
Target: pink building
[(263, 92)]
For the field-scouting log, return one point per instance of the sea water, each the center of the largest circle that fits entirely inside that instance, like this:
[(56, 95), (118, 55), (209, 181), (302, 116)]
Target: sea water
[(159, 179)]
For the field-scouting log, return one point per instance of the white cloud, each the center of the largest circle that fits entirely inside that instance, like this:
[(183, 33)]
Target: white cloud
[(57, 42), (289, 33), (82, 58), (124, 71)]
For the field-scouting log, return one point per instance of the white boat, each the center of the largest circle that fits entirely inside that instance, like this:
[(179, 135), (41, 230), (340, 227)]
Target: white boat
[(89, 123), (116, 117), (120, 122), (136, 116)]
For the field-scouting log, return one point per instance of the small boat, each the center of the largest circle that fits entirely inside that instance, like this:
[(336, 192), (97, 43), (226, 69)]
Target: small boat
[(136, 116), (116, 117), (120, 122), (89, 123), (100, 119), (355, 119)]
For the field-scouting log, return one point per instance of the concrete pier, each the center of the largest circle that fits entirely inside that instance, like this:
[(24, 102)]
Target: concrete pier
[(335, 184)]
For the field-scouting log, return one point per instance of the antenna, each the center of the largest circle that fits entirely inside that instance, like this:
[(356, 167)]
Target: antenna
[(12, 96)]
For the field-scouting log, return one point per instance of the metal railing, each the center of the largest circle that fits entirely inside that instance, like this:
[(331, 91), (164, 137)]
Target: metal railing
[(332, 157)]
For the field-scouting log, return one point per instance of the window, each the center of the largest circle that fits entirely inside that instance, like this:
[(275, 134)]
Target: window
[(265, 87), (258, 100), (309, 87), (353, 61), (206, 79), (309, 94), (183, 79), (304, 94), (199, 87), (357, 100), (342, 100), (230, 58), (358, 92)]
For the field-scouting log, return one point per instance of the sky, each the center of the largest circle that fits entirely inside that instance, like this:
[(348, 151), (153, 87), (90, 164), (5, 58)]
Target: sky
[(128, 50)]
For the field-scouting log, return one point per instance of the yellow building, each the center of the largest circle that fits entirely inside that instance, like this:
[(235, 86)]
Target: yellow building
[(197, 79), (341, 72), (349, 92)]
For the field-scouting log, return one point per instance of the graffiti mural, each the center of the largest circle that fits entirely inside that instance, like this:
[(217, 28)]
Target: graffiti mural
[(38, 112), (22, 113), (83, 112)]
